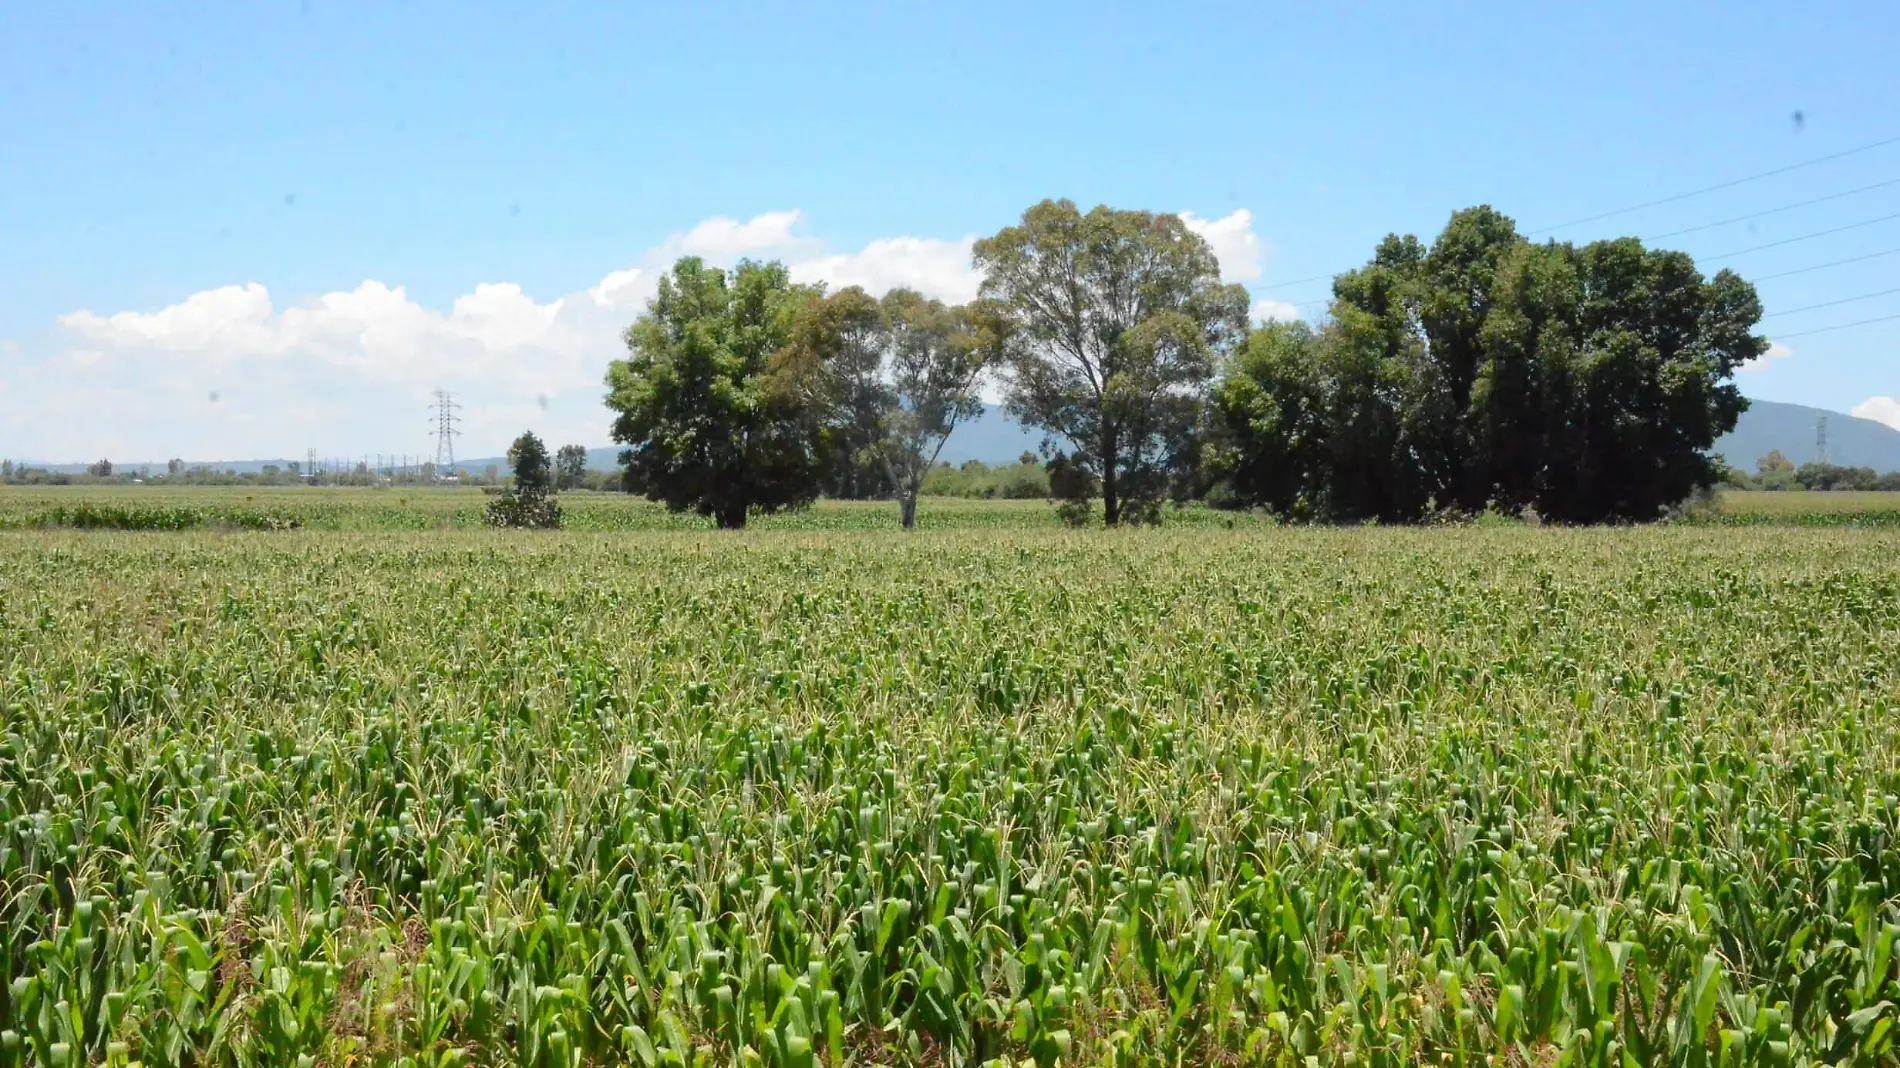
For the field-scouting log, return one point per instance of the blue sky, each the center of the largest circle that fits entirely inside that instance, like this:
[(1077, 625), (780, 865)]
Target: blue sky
[(235, 230)]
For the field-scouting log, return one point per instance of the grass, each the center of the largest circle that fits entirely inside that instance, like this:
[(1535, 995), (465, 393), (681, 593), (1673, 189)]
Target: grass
[(1464, 796)]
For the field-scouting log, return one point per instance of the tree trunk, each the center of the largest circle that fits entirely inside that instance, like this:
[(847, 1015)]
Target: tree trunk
[(730, 516), (1111, 496), (910, 511)]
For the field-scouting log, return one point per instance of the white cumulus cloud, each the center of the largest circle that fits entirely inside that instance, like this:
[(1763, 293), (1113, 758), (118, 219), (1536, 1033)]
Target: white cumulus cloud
[(220, 323), (1880, 410), (940, 269), (1233, 241), (237, 371), (352, 369), (1776, 351), (1265, 310), (724, 239)]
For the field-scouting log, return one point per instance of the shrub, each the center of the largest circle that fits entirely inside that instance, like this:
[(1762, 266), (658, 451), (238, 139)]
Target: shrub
[(531, 509)]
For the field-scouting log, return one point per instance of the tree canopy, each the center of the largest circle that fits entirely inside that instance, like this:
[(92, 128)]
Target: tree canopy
[(528, 460), (570, 466), (1118, 319), (896, 376), (529, 502), (1482, 371), (1477, 371), (709, 429)]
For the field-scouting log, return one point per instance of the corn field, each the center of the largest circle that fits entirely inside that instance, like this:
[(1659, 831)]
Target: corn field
[(1236, 797)]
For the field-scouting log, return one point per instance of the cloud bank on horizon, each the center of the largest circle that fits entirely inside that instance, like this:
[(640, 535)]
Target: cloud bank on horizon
[(1880, 410), (236, 372)]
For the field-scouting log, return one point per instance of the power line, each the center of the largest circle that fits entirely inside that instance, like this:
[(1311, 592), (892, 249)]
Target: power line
[(1832, 303), (1821, 266), (1773, 211), (1299, 281), (1685, 196), (1754, 278), (1762, 278), (1805, 237), (1837, 326), (1720, 185)]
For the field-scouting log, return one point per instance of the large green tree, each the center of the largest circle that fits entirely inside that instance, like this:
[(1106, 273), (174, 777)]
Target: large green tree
[(1586, 382), (1641, 366), (570, 466), (1117, 321), (529, 502), (709, 427), (1270, 403), (938, 354), (528, 460), (895, 377), (837, 354)]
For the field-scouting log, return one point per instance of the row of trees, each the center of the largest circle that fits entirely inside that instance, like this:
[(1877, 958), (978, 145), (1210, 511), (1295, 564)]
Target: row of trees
[(751, 392), (1479, 371), (1776, 472)]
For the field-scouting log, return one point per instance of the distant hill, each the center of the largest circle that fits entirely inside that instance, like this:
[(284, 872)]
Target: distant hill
[(992, 437), (1770, 425)]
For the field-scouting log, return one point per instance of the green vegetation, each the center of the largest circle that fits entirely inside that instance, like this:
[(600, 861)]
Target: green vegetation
[(528, 502), (972, 496), (1026, 479), (712, 427), (1480, 373), (1776, 473), (1818, 508), (395, 509), (1372, 796), (897, 376), (1486, 372), (1118, 320)]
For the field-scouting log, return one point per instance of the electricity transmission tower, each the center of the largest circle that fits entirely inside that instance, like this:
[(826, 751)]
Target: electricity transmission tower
[(1820, 440), (445, 432)]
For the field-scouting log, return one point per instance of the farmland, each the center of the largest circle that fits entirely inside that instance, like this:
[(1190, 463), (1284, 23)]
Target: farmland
[(396, 509), (417, 509), (1283, 796)]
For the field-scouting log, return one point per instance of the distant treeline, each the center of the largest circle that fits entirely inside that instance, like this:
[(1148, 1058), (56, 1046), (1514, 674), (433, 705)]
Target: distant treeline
[(362, 475), (1480, 372), (1776, 472)]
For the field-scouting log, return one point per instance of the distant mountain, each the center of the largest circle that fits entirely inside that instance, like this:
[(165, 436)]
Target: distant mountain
[(992, 437), (1770, 425)]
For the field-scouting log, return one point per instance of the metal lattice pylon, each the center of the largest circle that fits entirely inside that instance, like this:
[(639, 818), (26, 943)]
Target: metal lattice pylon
[(445, 421)]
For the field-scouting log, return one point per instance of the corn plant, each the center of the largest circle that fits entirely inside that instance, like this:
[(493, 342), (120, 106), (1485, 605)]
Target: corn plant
[(1470, 796)]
